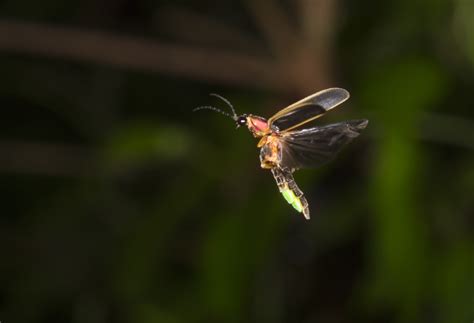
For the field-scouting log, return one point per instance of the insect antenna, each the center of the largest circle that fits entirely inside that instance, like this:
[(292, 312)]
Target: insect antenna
[(226, 101), (207, 107)]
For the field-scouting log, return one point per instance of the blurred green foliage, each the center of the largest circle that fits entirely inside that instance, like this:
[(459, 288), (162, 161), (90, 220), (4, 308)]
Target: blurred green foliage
[(163, 215)]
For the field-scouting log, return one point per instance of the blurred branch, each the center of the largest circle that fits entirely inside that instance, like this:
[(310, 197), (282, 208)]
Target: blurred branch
[(45, 159), (295, 67), (205, 30), (318, 21), (275, 24), (303, 56), (97, 47), (299, 64)]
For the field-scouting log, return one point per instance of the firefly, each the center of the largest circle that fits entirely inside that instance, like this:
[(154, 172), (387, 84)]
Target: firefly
[(287, 143)]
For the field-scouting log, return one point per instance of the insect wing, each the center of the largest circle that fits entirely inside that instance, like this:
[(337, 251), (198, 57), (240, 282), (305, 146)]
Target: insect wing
[(308, 109), (313, 147)]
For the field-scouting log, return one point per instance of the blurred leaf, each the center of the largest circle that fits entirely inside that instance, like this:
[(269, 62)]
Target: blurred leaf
[(398, 94), (464, 20), (142, 142)]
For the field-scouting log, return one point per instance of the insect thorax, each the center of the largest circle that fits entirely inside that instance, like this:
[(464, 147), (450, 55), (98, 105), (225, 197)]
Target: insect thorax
[(258, 126), (270, 153)]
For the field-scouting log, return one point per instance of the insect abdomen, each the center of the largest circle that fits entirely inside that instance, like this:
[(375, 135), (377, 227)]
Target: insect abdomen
[(291, 198), (290, 191)]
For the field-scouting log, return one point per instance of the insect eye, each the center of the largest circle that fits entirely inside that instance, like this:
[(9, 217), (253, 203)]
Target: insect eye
[(242, 121)]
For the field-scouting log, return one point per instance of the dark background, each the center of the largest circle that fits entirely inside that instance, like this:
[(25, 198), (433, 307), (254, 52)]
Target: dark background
[(118, 204)]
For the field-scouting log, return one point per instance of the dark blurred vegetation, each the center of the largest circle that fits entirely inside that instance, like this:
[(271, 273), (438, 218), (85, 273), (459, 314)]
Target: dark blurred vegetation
[(120, 205)]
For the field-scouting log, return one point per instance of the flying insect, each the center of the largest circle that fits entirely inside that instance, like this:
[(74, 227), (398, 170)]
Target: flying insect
[(286, 145)]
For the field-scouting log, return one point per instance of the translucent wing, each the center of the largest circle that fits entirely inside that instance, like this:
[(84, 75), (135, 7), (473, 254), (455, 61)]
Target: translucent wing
[(308, 109), (315, 146)]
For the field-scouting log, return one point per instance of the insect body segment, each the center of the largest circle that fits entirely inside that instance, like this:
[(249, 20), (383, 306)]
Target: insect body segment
[(286, 146), (290, 191), (258, 126), (271, 152)]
